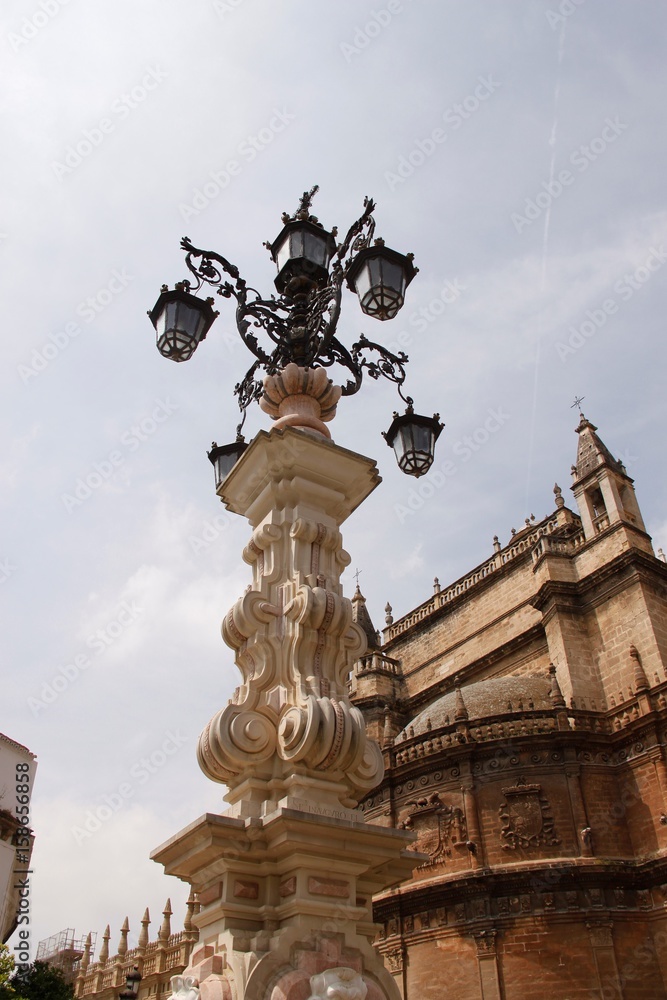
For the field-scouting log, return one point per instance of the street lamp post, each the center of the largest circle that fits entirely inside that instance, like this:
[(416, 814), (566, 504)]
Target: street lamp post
[(299, 325), (132, 982), (286, 876)]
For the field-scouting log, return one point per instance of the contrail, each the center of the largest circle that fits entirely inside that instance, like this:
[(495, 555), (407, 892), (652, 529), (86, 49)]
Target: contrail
[(545, 253)]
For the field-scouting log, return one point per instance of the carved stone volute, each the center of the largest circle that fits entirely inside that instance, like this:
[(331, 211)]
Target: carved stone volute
[(290, 727)]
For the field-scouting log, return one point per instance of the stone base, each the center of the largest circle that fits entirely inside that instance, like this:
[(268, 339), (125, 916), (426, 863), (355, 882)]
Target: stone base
[(286, 897)]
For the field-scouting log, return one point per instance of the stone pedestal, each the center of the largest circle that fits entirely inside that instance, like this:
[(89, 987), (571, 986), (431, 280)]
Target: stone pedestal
[(285, 877)]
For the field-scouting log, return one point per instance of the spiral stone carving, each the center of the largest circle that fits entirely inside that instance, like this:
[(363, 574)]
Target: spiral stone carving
[(290, 723)]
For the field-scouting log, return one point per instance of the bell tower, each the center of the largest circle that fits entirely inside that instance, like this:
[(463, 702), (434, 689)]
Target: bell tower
[(603, 489)]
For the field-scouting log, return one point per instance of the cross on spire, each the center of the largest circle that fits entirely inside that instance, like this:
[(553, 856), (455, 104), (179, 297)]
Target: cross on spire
[(356, 575), (578, 400)]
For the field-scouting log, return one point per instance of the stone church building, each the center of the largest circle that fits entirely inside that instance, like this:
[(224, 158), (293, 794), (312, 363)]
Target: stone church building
[(522, 717)]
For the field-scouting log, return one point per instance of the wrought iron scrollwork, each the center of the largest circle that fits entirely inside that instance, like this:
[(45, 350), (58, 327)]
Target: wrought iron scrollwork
[(301, 327)]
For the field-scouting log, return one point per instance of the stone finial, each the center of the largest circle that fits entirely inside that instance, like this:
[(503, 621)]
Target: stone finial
[(436, 585), (301, 397), (187, 923), (661, 555), (165, 929), (388, 617), (104, 950), (496, 544), (556, 695), (85, 960), (639, 677), (558, 493), (122, 944), (461, 712), (143, 933), (362, 618)]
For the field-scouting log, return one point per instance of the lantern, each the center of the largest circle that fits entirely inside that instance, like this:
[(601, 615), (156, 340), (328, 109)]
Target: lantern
[(131, 985), (302, 251), (181, 321), (224, 457), (380, 276), (413, 439)]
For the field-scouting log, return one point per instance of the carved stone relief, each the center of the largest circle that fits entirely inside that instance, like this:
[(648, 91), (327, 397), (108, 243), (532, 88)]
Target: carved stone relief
[(338, 984), (438, 826), (184, 988), (526, 817)]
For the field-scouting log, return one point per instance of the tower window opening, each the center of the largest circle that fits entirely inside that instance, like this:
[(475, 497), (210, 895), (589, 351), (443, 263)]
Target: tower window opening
[(597, 502)]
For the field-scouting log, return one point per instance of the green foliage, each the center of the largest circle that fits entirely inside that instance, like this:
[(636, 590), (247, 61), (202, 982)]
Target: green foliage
[(39, 981), (6, 964), (6, 970)]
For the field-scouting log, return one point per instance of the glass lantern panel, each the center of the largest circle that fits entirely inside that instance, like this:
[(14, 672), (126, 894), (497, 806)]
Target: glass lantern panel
[(189, 321), (393, 276), (296, 243), (362, 282), (283, 254), (375, 271), (315, 249), (422, 438)]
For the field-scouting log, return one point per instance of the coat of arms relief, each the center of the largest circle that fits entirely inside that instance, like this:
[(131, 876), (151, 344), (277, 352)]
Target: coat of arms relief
[(526, 817), (438, 826)]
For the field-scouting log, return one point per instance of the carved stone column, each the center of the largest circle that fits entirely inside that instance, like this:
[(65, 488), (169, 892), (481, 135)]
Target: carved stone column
[(602, 943), (286, 876), (475, 846), (579, 815), (487, 960)]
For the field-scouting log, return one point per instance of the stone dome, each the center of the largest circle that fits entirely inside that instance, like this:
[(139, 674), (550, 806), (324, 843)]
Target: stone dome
[(497, 696)]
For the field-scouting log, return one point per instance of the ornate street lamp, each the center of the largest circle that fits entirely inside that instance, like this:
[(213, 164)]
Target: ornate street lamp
[(131, 985), (181, 321), (300, 327), (224, 457), (413, 439)]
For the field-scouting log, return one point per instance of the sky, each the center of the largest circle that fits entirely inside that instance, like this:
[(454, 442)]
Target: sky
[(516, 148)]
